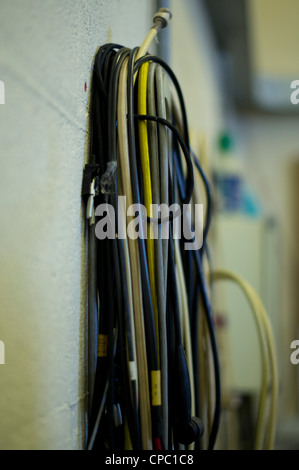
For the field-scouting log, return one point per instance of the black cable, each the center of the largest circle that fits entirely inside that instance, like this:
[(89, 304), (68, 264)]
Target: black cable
[(151, 340), (207, 308), (98, 152), (110, 352), (108, 92), (190, 178), (198, 259), (152, 58), (208, 195), (109, 78), (114, 308), (100, 132), (181, 393), (192, 289), (132, 414)]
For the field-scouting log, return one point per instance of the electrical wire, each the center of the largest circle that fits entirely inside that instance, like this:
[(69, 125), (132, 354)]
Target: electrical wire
[(145, 386), (120, 253), (92, 313), (135, 269), (147, 186), (158, 182), (151, 341), (268, 352), (209, 319), (99, 415), (160, 20)]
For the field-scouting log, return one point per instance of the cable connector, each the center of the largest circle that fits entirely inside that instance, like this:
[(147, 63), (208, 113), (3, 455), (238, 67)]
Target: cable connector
[(90, 172), (161, 18), (90, 188)]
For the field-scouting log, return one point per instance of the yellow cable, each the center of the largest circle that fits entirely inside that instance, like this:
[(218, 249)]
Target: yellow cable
[(147, 187), (225, 275), (268, 356), (160, 21), (143, 385), (270, 433)]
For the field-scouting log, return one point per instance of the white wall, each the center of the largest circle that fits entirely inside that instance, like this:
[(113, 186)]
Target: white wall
[(195, 63), (271, 150), (46, 53)]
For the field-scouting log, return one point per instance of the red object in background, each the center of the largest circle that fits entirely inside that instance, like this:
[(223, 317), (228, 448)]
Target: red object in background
[(220, 320), (85, 86), (158, 443)]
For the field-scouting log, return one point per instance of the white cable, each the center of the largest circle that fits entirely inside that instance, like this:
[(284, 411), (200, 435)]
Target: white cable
[(160, 21), (123, 227)]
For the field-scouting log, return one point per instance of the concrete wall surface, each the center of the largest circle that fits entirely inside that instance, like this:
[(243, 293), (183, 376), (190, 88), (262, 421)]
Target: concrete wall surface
[(47, 50)]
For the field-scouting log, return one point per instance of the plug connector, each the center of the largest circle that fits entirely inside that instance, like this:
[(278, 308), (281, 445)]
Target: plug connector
[(162, 18)]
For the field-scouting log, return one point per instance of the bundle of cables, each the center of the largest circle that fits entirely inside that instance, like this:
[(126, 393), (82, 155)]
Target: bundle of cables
[(145, 290)]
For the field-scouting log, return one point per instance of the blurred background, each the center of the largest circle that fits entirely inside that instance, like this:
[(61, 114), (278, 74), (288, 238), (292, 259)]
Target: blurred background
[(235, 61)]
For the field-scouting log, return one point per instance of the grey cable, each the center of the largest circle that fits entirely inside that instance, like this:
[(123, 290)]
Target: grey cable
[(164, 155), (164, 165), (159, 270)]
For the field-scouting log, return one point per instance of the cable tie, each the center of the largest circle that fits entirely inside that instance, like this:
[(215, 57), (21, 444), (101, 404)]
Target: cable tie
[(106, 181)]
